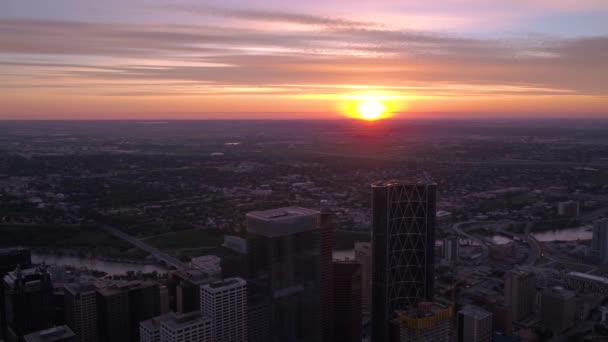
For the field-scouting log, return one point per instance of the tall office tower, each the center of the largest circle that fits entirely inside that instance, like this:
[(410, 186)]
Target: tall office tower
[(363, 256), (184, 289), (327, 244), (57, 334), (81, 311), (113, 315), (451, 248), (225, 301), (144, 303), (285, 254), (599, 243), (427, 322), (347, 302), (558, 309), (474, 325), (28, 302), (190, 327), (233, 255), (258, 324), (10, 259), (520, 290), (209, 264), (403, 242), (165, 303), (149, 330), (58, 304)]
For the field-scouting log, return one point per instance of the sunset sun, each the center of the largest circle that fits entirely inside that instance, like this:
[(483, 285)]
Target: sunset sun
[(370, 110)]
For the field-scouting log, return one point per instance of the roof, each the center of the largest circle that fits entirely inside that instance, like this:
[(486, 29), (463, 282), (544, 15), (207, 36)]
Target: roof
[(282, 213), (283, 221), (229, 282), (50, 335), (176, 321), (475, 312)]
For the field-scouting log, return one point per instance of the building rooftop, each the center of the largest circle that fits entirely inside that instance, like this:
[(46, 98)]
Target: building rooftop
[(589, 277), (225, 283), (50, 335), (80, 287), (475, 311), (282, 213), (283, 221), (153, 324), (176, 321)]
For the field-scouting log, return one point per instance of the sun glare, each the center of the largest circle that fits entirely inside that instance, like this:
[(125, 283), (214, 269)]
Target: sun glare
[(370, 110)]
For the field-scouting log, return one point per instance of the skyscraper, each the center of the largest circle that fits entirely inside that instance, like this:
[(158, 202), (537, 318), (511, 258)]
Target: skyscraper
[(558, 309), (113, 315), (81, 311), (285, 254), (347, 301), (190, 327), (520, 290), (11, 258), (28, 302), (149, 330), (225, 301), (144, 303), (363, 256), (599, 243), (403, 241), (474, 325), (327, 295)]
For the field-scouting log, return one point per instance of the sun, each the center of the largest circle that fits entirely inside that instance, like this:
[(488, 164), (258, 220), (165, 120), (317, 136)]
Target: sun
[(370, 109)]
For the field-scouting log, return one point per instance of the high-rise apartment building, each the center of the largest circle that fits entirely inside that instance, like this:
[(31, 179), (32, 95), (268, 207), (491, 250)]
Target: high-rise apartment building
[(190, 327), (225, 302), (474, 325), (28, 302), (363, 256), (347, 301), (149, 330), (599, 242), (81, 311), (56, 334), (558, 309), (284, 249), (403, 242), (520, 291), (426, 322)]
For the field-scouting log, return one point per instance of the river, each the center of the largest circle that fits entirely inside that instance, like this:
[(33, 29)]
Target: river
[(568, 234), (110, 267)]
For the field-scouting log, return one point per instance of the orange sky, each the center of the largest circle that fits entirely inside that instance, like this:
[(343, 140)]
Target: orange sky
[(147, 59)]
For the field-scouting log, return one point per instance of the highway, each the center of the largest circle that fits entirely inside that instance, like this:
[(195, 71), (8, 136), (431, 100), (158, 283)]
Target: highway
[(158, 255)]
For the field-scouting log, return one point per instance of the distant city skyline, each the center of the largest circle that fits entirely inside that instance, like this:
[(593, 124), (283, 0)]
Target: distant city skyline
[(147, 59)]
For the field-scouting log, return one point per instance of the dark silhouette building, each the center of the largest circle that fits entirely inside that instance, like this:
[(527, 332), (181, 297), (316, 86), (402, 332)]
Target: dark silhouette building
[(327, 287), (403, 241), (55, 334), (144, 304), (113, 315), (81, 311), (10, 259), (284, 247), (28, 302), (347, 294)]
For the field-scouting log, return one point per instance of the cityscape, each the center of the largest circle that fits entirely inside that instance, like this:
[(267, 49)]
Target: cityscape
[(303, 171), (343, 231)]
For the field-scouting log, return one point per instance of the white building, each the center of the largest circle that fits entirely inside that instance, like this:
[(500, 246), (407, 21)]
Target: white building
[(363, 256), (190, 327), (225, 302), (209, 264), (474, 325)]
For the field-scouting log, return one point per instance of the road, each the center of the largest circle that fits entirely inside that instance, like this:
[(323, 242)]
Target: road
[(485, 250), (158, 255)]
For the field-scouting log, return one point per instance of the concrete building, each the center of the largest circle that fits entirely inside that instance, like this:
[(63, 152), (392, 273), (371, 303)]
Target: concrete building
[(427, 322), (284, 249), (520, 291), (149, 330), (347, 302), (28, 302), (363, 256), (184, 289), (113, 315), (568, 209), (56, 334), (144, 304), (81, 311), (190, 327), (586, 283), (474, 324), (225, 302), (403, 246), (209, 264), (558, 309), (599, 242)]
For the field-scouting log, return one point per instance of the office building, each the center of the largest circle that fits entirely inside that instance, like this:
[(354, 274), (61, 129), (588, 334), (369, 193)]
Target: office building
[(208, 264), (327, 244), (149, 330), (81, 311), (558, 309), (474, 324), (28, 302), (144, 304), (258, 324), (184, 289), (225, 302), (520, 291), (56, 334), (10, 258), (363, 256), (113, 315), (347, 302), (233, 257), (599, 242), (568, 209), (165, 301), (284, 247), (190, 327), (426, 322), (403, 241), (450, 250)]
